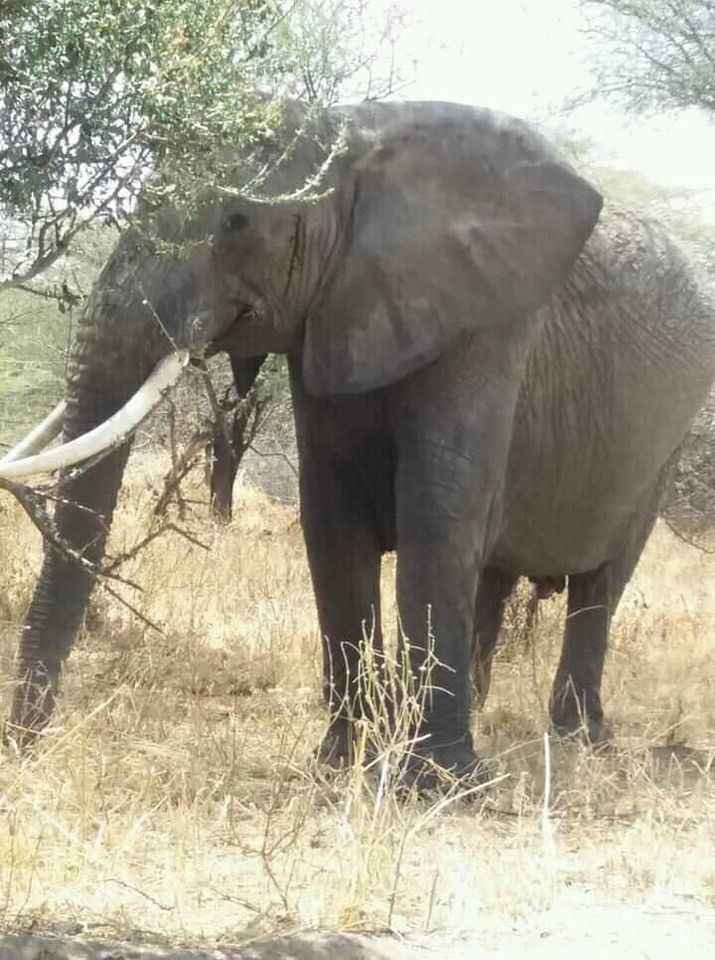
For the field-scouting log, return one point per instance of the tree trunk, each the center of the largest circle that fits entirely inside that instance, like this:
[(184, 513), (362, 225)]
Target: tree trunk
[(226, 458), (228, 445)]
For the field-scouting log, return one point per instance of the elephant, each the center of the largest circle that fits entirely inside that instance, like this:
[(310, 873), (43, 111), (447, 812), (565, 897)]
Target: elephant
[(489, 373)]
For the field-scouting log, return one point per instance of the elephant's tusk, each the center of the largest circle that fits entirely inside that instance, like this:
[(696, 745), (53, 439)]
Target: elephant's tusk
[(38, 438), (108, 434)]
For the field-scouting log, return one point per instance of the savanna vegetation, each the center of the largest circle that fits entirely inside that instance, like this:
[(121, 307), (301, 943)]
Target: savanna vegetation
[(652, 55), (174, 797)]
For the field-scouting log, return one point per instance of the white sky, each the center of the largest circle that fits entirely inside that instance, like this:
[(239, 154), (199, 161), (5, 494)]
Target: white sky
[(524, 57)]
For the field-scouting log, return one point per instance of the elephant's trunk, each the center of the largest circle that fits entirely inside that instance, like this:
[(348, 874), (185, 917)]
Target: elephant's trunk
[(103, 374), (142, 308), (62, 592)]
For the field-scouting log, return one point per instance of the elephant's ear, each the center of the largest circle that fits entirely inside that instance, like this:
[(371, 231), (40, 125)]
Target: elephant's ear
[(454, 228)]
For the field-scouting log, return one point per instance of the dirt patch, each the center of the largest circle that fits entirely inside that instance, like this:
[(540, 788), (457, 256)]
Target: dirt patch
[(576, 925)]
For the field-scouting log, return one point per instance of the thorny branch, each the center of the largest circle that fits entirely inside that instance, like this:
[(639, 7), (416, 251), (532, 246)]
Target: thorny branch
[(182, 463), (216, 408), (33, 502), (250, 415)]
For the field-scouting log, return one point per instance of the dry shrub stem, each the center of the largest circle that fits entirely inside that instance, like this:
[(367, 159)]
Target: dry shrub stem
[(33, 501)]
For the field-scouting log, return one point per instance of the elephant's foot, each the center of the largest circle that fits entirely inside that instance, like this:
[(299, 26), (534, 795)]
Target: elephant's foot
[(32, 708), (336, 749), (594, 733), (582, 719), (453, 768)]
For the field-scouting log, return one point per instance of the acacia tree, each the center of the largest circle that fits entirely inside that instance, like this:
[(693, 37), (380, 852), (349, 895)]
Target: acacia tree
[(332, 50), (103, 99), (649, 55), (652, 54), (97, 94)]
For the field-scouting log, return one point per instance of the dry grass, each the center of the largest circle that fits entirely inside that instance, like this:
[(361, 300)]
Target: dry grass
[(174, 796)]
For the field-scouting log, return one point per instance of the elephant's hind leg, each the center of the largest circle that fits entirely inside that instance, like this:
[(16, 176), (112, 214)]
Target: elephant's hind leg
[(576, 696), (495, 587), (592, 601)]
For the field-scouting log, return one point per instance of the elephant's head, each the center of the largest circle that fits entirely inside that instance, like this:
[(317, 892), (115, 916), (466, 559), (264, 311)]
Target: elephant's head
[(441, 220)]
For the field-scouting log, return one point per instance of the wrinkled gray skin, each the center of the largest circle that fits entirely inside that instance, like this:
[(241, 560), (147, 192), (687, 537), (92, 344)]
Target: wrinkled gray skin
[(463, 394), (618, 372)]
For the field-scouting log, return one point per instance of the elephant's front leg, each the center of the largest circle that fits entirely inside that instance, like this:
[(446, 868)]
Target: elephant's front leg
[(442, 517), (344, 558)]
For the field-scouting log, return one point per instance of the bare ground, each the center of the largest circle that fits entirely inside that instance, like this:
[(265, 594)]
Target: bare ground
[(174, 802)]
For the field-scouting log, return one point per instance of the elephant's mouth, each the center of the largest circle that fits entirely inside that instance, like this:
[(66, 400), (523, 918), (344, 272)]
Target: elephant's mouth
[(248, 334), (247, 313), (257, 327), (245, 335)]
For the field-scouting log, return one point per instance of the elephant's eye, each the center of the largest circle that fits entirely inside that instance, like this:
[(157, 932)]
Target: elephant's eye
[(235, 222)]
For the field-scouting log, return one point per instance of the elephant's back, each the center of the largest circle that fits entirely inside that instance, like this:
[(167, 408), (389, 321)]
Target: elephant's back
[(373, 124), (625, 358)]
